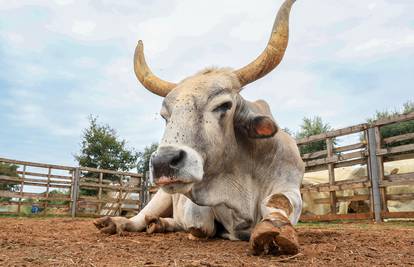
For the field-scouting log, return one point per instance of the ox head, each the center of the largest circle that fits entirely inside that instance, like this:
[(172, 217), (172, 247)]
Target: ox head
[(206, 116)]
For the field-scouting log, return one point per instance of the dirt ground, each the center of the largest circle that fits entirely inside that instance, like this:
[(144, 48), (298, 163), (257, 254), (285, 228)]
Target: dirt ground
[(64, 242)]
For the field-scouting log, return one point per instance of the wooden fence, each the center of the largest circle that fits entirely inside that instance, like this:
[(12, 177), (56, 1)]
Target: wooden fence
[(62, 190), (80, 191), (375, 189)]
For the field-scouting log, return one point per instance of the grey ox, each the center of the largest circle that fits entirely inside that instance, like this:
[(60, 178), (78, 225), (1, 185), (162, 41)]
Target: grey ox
[(224, 167)]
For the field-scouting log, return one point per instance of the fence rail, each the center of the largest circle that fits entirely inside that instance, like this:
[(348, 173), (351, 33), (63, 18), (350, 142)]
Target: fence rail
[(376, 189), (63, 190)]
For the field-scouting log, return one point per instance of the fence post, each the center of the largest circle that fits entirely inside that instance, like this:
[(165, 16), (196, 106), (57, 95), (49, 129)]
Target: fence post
[(331, 171), (75, 191), (143, 191), (374, 174)]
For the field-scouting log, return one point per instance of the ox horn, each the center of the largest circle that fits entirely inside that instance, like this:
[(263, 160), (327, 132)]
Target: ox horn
[(145, 75), (274, 51)]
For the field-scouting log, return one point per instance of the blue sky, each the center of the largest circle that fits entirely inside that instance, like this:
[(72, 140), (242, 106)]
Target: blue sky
[(63, 60)]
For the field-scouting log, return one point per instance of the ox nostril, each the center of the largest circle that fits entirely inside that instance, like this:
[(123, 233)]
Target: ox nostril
[(168, 161), (177, 159)]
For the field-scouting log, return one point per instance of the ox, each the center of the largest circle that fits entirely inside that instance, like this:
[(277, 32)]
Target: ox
[(223, 165)]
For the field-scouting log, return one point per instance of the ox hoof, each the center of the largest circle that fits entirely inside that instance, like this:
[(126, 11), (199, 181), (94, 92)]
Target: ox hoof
[(154, 224), (111, 225), (197, 234), (105, 225), (270, 238)]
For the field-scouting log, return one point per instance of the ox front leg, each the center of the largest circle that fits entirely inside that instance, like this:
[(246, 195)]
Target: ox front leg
[(160, 205), (275, 232)]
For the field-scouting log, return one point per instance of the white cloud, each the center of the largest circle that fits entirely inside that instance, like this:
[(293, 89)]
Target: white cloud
[(63, 2), (180, 38), (13, 37), (378, 46), (83, 27)]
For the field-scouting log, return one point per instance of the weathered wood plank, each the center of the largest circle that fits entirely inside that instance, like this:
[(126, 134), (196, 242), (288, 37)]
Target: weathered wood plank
[(354, 128), (374, 167), (350, 147), (325, 187), (342, 182), (380, 160), (316, 162), (100, 192), (64, 177), (401, 197), (352, 155), (87, 215), (313, 155), (341, 199), (110, 172), (40, 196), (35, 164), (398, 138), (331, 172), (44, 185), (400, 181), (395, 157), (30, 203), (394, 119), (335, 217), (401, 214), (112, 187), (23, 175), (118, 209), (40, 182), (108, 200), (340, 164), (396, 149), (335, 133), (357, 154), (68, 168)]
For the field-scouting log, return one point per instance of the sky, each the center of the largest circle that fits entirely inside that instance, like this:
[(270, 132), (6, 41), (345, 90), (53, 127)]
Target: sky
[(63, 60)]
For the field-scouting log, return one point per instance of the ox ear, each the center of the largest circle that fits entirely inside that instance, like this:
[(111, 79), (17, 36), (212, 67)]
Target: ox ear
[(261, 127), (251, 121)]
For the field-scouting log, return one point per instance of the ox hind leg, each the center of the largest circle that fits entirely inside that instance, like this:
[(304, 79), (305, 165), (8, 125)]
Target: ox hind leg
[(275, 232)]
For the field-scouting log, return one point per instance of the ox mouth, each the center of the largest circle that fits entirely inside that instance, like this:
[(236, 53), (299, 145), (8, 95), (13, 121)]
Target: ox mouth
[(166, 180)]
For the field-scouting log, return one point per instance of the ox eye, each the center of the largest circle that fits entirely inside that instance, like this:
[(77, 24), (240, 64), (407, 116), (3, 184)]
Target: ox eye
[(223, 107)]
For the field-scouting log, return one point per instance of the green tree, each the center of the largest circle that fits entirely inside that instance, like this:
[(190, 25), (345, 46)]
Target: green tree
[(10, 170), (102, 149), (309, 127), (144, 158), (396, 128)]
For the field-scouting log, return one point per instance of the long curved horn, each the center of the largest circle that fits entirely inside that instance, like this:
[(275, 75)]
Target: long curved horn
[(274, 51), (145, 75)]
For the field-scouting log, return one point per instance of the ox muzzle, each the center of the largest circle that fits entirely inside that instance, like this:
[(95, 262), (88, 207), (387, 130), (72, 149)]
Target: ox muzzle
[(175, 168)]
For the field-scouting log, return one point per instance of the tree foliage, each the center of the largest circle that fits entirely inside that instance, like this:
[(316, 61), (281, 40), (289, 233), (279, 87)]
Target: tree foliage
[(144, 158), (8, 170), (396, 128), (102, 149), (309, 127)]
